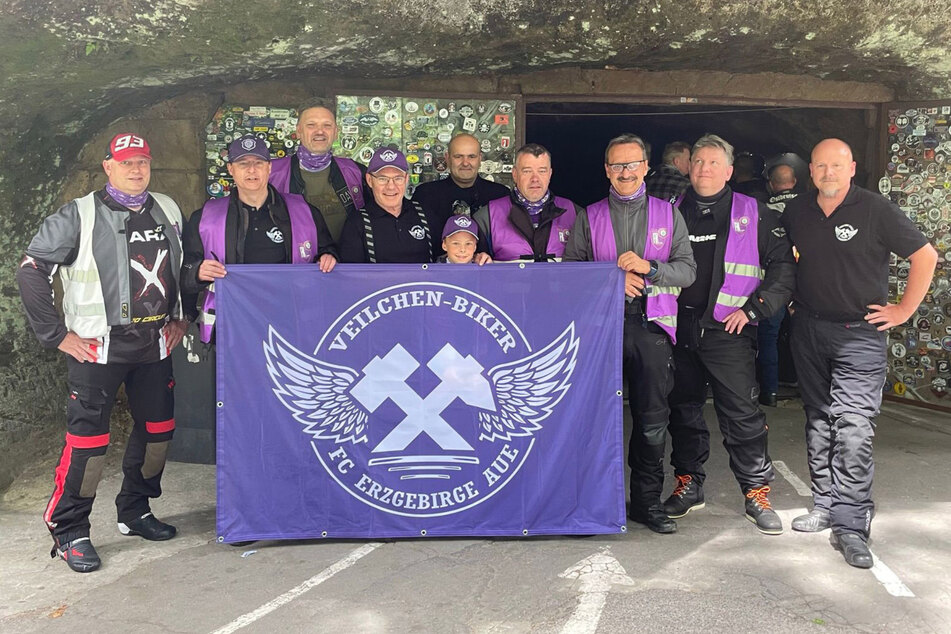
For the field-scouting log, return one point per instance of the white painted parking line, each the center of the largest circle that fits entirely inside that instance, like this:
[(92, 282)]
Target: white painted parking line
[(249, 618), (889, 579), (801, 487)]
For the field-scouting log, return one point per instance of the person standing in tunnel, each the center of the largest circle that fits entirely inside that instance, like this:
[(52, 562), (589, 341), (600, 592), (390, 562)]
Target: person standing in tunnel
[(531, 223), (118, 252), (781, 183), (745, 273), (670, 180), (746, 176), (332, 184), (464, 191), (256, 224), (655, 252), (845, 236)]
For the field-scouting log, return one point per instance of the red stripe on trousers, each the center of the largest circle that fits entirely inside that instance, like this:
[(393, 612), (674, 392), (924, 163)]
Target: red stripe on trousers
[(160, 427), (65, 460)]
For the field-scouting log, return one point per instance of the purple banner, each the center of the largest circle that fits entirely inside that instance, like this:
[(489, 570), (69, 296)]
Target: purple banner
[(402, 400)]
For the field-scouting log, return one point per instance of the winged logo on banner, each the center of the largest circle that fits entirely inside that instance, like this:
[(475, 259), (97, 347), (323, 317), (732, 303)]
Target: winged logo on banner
[(527, 390), (318, 394)]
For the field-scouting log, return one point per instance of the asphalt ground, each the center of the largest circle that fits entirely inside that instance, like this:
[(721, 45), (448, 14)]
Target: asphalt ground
[(717, 573)]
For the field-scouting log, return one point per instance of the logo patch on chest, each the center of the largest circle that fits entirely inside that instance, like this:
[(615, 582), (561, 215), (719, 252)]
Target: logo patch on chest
[(275, 235), (844, 233)]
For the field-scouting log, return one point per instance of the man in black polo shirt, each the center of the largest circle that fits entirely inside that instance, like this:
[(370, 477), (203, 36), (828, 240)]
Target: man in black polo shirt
[(389, 228), (844, 236), (464, 191)]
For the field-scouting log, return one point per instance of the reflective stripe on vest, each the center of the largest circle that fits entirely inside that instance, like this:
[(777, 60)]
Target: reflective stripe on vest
[(84, 307), (661, 301), (214, 217), (741, 267), (508, 244), (281, 177)]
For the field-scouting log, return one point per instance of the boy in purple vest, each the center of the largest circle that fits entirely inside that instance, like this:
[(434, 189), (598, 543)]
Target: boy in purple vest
[(531, 223), (651, 238), (332, 184), (745, 273), (254, 225)]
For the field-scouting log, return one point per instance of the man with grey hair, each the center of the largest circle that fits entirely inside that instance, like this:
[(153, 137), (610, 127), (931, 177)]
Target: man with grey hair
[(651, 238), (670, 180), (332, 184), (531, 223), (745, 273)]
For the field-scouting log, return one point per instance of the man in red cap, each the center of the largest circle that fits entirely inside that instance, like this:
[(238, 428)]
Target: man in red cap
[(118, 252)]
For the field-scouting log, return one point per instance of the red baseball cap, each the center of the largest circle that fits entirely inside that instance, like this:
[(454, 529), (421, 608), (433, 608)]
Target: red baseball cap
[(125, 145)]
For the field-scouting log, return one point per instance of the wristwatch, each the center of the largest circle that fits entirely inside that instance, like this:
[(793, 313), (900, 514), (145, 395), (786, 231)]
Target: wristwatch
[(653, 271)]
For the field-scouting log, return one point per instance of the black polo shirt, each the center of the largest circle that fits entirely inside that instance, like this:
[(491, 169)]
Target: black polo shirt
[(397, 239), (264, 241), (444, 198), (843, 259)]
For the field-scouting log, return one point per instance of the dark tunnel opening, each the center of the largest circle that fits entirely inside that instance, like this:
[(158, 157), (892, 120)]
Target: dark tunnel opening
[(576, 133)]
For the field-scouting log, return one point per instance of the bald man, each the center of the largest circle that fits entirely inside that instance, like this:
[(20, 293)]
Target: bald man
[(782, 180), (845, 235), (464, 191)]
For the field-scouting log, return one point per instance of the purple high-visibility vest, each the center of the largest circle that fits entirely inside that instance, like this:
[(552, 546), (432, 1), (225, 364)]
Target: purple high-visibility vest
[(281, 177), (212, 231), (741, 267), (508, 244), (661, 303)]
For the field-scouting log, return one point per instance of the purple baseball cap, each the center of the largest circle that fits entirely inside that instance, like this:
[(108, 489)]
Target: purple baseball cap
[(387, 157), (455, 224), (248, 145)]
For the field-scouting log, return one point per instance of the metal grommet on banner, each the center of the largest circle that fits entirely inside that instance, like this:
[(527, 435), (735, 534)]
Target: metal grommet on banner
[(425, 266), (620, 392), (220, 539), (323, 533), (423, 532), (521, 265), (220, 404), (525, 532), (623, 529)]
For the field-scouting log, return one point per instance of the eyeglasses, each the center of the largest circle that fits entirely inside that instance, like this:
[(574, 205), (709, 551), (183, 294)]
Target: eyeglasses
[(617, 168), (386, 180)]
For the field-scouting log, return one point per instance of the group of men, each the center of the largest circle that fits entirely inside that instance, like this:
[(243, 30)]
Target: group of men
[(703, 265)]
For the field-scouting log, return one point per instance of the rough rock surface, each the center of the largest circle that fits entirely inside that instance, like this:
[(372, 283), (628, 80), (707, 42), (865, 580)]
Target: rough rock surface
[(68, 69)]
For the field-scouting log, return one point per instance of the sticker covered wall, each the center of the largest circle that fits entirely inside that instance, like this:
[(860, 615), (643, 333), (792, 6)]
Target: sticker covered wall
[(421, 127), (918, 179)]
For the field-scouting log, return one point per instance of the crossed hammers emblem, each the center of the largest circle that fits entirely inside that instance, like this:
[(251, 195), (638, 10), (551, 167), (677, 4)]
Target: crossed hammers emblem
[(460, 377)]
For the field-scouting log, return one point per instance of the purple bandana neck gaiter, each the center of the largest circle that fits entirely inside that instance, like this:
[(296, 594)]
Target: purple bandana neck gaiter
[(127, 200), (640, 192), (313, 162), (533, 208)]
